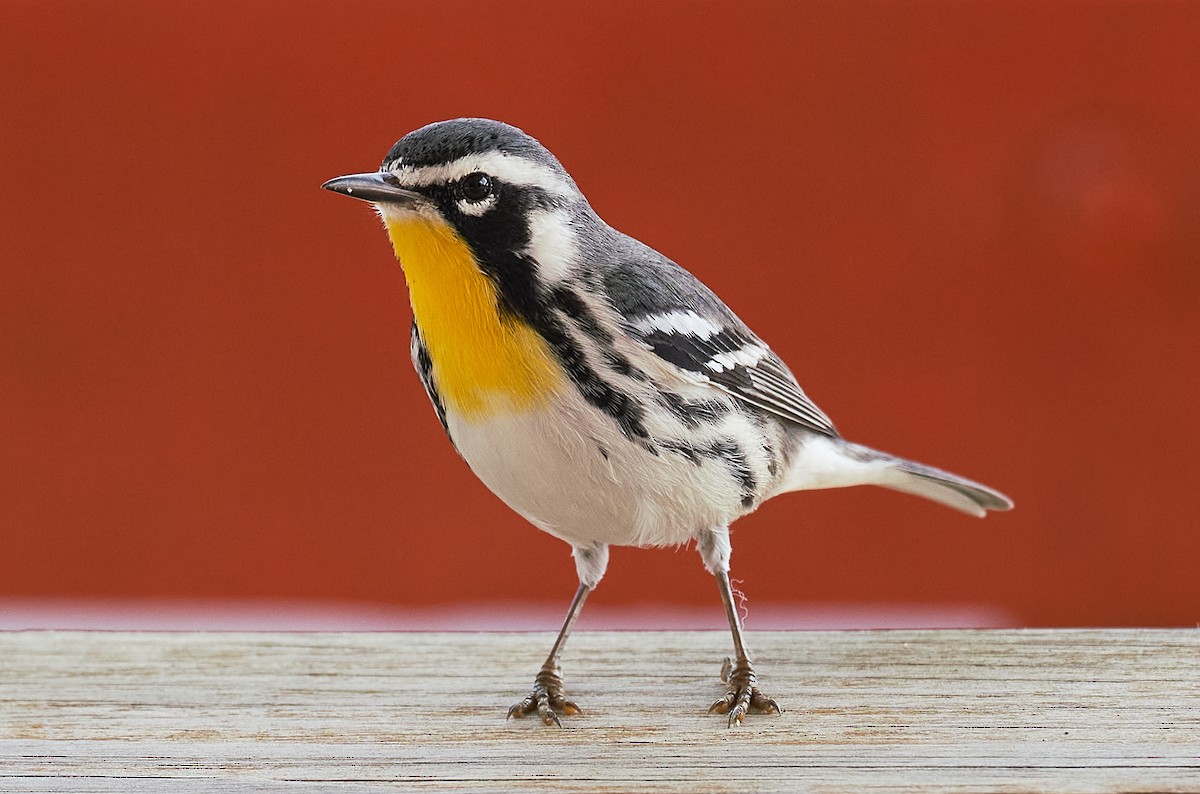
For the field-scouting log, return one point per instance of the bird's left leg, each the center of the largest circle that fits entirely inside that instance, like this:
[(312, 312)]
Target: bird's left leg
[(547, 697), (743, 695)]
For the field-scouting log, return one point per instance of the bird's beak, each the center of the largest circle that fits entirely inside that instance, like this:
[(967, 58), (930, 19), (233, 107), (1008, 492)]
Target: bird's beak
[(378, 188)]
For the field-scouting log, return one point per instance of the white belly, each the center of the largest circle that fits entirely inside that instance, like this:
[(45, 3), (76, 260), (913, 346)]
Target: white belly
[(569, 471)]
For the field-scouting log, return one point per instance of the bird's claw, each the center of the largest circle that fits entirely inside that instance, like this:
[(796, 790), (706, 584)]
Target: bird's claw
[(743, 696), (546, 699)]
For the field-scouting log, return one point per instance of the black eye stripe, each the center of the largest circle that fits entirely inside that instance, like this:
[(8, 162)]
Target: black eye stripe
[(475, 187)]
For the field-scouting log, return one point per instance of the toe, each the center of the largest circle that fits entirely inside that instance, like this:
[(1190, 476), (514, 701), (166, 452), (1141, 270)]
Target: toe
[(726, 670), (522, 708), (722, 705), (548, 715), (547, 702), (565, 706), (763, 704)]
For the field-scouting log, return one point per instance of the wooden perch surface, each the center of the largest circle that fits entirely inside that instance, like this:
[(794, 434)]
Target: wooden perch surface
[(889, 711)]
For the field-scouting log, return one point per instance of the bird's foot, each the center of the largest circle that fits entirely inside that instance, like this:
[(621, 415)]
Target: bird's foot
[(743, 696), (546, 699)]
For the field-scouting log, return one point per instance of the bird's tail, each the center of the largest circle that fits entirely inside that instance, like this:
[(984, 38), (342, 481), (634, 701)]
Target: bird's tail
[(830, 463), (942, 486)]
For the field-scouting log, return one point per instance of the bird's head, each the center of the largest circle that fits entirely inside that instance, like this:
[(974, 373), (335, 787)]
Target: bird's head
[(484, 182), (485, 222)]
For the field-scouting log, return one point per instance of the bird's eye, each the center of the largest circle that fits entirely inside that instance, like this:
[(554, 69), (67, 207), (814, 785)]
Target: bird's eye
[(476, 186)]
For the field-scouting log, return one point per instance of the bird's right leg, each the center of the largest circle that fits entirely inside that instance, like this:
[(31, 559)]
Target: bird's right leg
[(743, 695), (547, 697)]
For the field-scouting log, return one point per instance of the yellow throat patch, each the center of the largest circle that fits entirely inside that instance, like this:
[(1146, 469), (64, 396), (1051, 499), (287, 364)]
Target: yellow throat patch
[(484, 363)]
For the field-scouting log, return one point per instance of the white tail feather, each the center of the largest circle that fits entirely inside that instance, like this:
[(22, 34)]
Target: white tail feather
[(834, 463)]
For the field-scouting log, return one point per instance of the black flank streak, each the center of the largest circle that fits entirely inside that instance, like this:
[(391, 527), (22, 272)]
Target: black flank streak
[(425, 372), (728, 453), (760, 421), (735, 461), (569, 301), (622, 366), (689, 452), (754, 416), (694, 413), (576, 307)]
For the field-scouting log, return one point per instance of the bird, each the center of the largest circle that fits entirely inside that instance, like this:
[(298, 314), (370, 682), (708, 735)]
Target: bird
[(598, 388)]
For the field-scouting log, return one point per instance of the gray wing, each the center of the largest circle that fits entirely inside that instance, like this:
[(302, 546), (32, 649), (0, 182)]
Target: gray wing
[(684, 323)]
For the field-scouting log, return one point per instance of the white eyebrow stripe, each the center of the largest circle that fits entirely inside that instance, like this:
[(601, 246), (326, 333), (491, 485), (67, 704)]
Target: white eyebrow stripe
[(504, 167)]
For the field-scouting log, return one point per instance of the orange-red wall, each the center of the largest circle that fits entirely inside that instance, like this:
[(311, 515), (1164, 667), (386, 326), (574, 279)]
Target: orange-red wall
[(973, 230)]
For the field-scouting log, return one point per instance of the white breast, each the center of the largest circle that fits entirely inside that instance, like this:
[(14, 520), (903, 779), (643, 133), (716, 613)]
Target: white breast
[(568, 470)]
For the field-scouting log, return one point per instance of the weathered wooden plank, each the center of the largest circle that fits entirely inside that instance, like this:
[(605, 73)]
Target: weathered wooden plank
[(895, 711)]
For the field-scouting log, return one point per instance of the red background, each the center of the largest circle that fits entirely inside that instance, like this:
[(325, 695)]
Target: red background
[(972, 229)]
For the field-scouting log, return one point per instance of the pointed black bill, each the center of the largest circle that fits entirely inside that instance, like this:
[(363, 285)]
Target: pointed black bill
[(378, 188)]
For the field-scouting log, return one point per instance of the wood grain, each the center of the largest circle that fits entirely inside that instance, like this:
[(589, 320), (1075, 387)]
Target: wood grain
[(896, 711)]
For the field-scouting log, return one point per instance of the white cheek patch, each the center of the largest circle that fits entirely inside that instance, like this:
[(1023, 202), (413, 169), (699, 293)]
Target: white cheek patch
[(505, 167), (552, 244), (679, 322), (747, 356)]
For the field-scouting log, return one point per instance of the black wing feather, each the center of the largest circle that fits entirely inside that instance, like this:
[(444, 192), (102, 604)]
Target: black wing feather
[(767, 384), (644, 284)]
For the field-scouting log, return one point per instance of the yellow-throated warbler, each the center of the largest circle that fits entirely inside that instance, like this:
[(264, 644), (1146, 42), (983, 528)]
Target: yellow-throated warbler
[(594, 385)]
